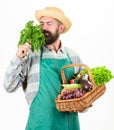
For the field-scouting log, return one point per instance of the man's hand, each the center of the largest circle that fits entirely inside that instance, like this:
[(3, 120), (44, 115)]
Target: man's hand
[(23, 49)]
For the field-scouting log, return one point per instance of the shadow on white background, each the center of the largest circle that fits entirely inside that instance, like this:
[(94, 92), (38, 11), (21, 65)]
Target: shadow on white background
[(91, 35)]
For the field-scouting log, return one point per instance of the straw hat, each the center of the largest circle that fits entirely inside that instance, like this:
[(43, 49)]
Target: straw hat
[(55, 13)]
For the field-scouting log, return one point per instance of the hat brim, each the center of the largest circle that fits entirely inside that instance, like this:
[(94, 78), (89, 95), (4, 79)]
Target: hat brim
[(62, 18)]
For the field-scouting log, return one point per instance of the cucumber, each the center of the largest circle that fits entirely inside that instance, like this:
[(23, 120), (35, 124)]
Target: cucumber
[(70, 86)]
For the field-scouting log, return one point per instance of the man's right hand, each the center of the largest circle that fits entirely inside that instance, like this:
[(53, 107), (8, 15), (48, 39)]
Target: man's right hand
[(23, 50)]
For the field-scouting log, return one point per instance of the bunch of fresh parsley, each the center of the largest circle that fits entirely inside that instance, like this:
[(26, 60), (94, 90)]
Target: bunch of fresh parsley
[(32, 34)]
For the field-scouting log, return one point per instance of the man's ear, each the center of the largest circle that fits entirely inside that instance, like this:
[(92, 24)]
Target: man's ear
[(61, 28)]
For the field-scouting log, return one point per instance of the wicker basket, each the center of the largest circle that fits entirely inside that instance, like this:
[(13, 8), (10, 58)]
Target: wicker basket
[(79, 104)]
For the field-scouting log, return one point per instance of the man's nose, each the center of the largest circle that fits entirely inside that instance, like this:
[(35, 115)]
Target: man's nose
[(44, 27)]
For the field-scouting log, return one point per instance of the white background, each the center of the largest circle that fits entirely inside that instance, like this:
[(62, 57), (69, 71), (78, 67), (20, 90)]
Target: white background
[(91, 35)]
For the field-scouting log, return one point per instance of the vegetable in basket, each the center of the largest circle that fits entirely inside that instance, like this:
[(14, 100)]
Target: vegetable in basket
[(86, 84), (77, 89), (101, 74), (70, 86), (33, 35)]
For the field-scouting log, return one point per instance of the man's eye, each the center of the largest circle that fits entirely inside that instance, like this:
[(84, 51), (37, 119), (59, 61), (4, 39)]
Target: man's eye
[(49, 23), (41, 24)]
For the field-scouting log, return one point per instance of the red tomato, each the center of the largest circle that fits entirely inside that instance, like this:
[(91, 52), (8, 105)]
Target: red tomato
[(72, 81)]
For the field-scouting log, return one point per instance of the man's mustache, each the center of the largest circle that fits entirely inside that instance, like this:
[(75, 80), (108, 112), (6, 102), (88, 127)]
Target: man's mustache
[(46, 32)]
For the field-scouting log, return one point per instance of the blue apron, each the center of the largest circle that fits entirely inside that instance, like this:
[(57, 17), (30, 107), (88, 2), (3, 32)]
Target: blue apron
[(43, 113)]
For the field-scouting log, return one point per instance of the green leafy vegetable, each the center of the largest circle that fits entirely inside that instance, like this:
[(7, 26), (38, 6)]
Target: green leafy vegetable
[(101, 75), (32, 34)]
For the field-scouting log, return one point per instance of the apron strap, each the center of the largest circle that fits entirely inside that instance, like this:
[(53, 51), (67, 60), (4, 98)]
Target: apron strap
[(68, 55)]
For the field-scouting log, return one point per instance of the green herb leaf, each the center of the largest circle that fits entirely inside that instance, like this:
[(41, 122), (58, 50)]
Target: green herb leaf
[(32, 34)]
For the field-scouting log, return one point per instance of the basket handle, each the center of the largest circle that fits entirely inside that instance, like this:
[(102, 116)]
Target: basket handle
[(76, 65)]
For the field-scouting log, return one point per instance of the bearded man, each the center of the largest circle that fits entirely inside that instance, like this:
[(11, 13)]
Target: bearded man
[(39, 73)]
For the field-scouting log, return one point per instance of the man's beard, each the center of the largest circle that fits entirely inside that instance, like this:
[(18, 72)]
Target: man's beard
[(50, 38)]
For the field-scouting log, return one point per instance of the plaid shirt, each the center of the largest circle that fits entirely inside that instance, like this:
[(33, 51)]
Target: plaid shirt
[(28, 69)]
